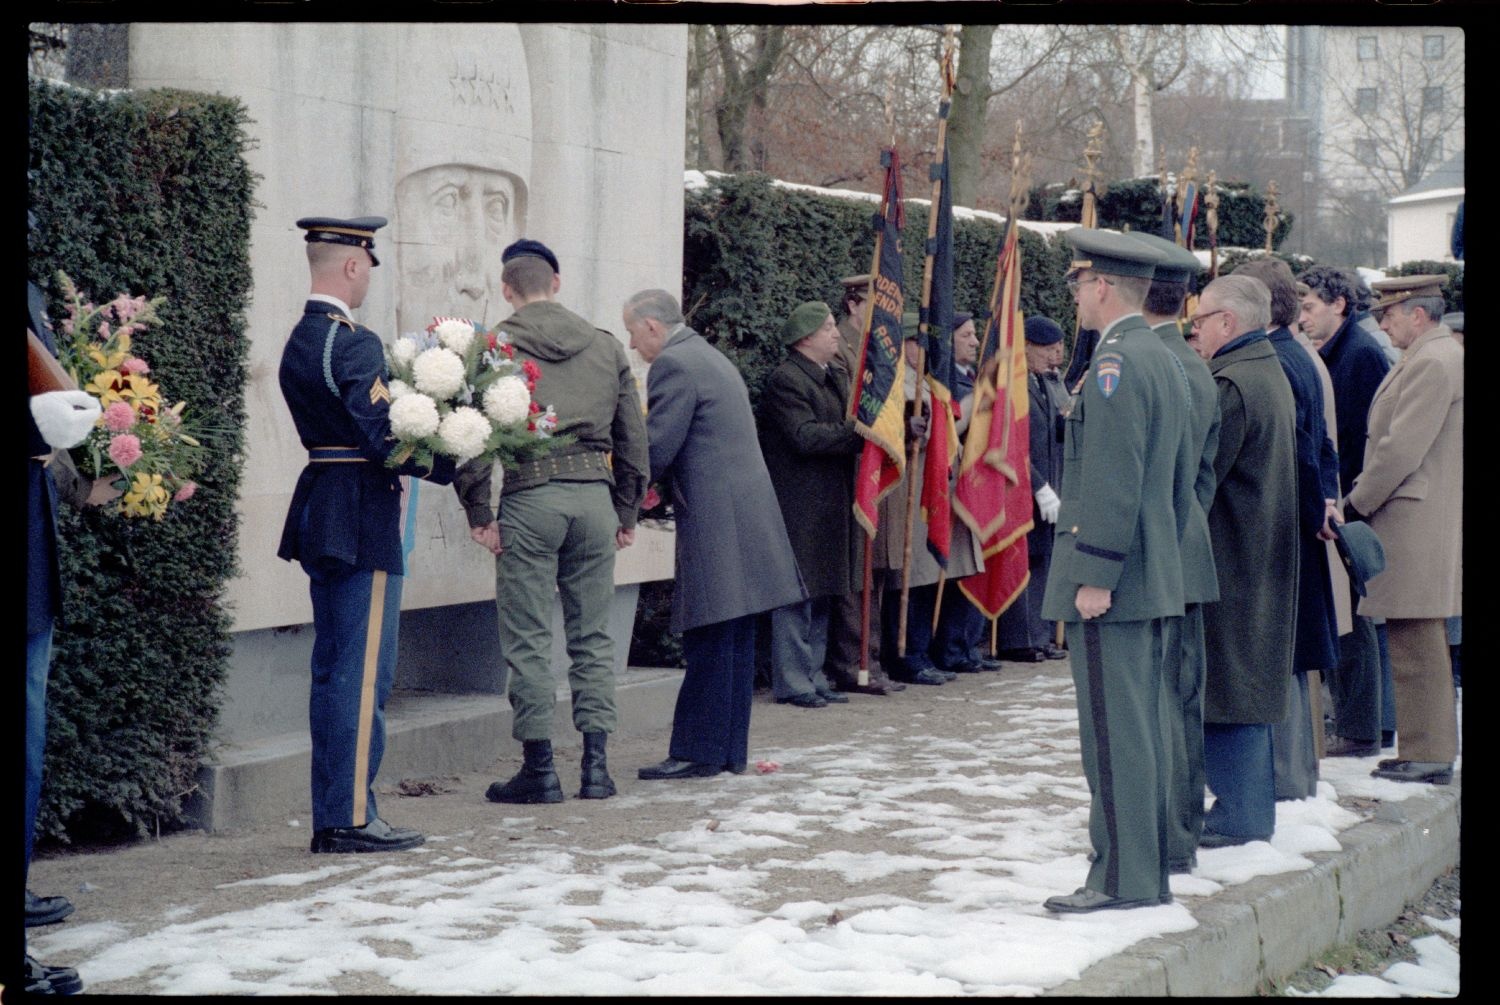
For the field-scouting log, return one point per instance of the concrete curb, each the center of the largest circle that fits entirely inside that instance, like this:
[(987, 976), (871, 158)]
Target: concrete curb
[(1270, 927)]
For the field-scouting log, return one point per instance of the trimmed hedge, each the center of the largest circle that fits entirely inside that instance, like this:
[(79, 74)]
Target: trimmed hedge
[(1136, 204), (145, 193), (753, 251)]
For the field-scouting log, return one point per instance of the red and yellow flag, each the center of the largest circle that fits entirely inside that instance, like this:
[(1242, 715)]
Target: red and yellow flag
[(993, 495)]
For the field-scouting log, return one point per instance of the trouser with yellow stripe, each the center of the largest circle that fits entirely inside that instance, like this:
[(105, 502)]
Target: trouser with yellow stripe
[(356, 617)]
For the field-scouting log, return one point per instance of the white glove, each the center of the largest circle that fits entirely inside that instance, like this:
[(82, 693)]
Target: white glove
[(1047, 500), (64, 417)]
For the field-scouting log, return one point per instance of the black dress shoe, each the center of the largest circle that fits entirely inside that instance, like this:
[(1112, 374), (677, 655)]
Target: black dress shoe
[(1182, 867), (1433, 772), (1213, 839), (926, 676), (988, 664), (833, 698), (44, 980), (46, 910), (1345, 747), (1084, 900), (962, 668), (1053, 652), (377, 835), (673, 768), (1027, 655), (813, 700)]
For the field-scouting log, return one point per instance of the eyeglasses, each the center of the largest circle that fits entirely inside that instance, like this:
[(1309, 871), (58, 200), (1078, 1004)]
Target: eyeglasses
[(1197, 319), (1073, 282)]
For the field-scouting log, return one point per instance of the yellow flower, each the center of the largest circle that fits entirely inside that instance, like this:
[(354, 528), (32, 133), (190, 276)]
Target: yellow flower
[(146, 497), (111, 359), (107, 386), (141, 394)]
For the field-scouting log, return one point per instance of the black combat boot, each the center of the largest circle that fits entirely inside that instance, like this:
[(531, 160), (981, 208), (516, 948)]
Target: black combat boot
[(536, 782), (596, 781)]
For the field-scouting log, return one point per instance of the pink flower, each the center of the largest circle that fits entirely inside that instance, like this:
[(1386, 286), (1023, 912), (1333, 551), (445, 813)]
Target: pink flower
[(127, 307), (652, 500), (766, 767), (186, 492), (124, 449), (135, 365), (104, 329), (119, 417), (67, 326)]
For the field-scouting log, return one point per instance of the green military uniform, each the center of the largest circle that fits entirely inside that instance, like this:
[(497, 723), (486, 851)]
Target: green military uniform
[(559, 515), (1185, 665), (1124, 506)]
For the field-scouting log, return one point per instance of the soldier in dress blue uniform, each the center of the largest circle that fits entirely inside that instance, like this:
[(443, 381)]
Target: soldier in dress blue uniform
[(1116, 571), (343, 528)]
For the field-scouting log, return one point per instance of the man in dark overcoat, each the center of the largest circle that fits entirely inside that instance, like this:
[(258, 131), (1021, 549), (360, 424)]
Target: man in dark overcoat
[(809, 446), (845, 616), (1184, 662), (1356, 365), (1253, 525), (1117, 567), (343, 527), (1024, 635), (733, 556), (1293, 749)]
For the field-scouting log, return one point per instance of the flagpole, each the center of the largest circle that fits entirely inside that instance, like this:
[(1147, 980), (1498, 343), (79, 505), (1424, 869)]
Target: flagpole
[(1211, 221), (868, 579), (946, 68), (1271, 215), (1089, 218)]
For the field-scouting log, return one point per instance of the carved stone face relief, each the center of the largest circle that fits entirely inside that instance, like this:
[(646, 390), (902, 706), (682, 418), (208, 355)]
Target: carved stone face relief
[(455, 219)]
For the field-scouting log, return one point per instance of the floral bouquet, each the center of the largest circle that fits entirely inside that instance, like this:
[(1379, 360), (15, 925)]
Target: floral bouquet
[(145, 443), (457, 390)]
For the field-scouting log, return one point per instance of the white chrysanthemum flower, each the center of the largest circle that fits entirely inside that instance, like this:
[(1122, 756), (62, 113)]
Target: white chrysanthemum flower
[(455, 334), (399, 388), (413, 416), (507, 401), (464, 432), (404, 350), (438, 372)]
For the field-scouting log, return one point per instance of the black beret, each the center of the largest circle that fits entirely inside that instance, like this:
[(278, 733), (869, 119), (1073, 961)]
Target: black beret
[(1042, 331), (536, 249)]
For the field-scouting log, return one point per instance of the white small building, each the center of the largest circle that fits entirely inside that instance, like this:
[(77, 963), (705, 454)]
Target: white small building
[(1419, 221)]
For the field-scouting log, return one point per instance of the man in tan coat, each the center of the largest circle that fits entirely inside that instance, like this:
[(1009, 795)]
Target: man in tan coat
[(1411, 492)]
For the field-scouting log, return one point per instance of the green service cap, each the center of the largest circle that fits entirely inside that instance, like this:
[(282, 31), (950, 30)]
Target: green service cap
[(1111, 253), (1180, 265)]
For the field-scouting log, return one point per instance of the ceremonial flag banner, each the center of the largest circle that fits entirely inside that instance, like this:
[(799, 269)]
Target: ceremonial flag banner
[(1168, 212), (876, 400), (993, 495), (1189, 214), (942, 445)]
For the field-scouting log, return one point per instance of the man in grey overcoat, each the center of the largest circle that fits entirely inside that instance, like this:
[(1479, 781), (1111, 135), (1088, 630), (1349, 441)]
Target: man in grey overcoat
[(809, 446), (733, 557), (1411, 490), (1250, 630)]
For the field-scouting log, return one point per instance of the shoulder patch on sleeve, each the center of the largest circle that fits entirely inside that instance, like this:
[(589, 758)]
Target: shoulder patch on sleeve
[(1108, 371), (379, 392)]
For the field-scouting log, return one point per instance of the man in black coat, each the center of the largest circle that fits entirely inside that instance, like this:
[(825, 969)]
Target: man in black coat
[(1024, 635), (809, 446), (342, 526), (1356, 366)]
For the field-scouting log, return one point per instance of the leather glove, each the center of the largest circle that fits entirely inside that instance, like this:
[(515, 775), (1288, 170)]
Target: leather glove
[(64, 417), (1047, 501)]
